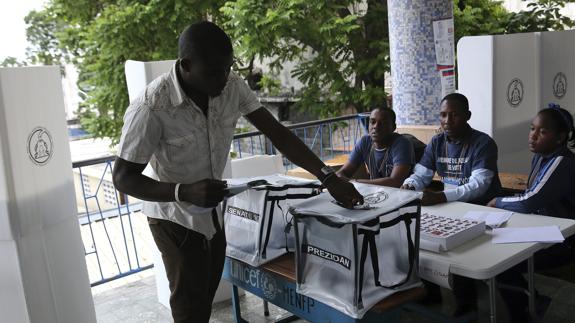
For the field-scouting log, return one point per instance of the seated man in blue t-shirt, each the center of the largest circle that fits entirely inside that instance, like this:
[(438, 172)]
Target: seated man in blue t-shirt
[(388, 156), (465, 159)]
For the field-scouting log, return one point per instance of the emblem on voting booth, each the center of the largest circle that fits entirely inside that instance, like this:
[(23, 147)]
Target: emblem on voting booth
[(40, 146), (559, 85), (515, 92)]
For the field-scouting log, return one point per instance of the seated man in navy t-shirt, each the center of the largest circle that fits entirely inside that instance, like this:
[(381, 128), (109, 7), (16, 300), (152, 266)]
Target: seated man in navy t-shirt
[(464, 158), (388, 156)]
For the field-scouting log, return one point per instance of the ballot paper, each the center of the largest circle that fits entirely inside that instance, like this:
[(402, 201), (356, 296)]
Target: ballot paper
[(491, 219), (550, 234)]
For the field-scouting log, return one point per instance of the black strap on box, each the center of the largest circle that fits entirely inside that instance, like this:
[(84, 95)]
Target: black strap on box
[(369, 242)]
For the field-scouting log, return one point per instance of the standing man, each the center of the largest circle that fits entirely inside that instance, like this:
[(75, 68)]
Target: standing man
[(388, 156), (182, 125)]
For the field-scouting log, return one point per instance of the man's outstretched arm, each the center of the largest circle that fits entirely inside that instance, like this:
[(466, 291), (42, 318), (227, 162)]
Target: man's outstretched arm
[(297, 152)]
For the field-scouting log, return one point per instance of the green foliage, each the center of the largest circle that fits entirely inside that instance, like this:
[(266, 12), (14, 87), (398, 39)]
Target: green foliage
[(103, 35), (340, 47), (479, 17), (342, 52), (270, 85), (12, 62), (43, 32), (542, 15)]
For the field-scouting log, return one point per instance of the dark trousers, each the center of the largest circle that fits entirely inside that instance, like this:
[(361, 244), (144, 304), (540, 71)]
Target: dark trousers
[(194, 268)]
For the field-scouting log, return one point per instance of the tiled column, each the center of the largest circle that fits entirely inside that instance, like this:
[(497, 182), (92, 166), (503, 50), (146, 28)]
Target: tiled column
[(415, 75)]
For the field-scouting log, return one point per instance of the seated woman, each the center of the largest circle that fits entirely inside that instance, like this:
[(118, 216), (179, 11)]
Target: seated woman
[(388, 156), (550, 187), (550, 191)]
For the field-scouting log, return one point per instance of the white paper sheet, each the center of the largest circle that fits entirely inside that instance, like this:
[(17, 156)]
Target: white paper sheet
[(491, 219), (550, 234)]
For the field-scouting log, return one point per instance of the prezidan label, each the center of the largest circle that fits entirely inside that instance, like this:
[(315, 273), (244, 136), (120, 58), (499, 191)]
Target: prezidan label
[(243, 213), (318, 252)]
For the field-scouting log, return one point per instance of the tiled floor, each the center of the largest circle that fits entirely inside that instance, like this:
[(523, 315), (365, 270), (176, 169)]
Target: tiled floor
[(133, 299)]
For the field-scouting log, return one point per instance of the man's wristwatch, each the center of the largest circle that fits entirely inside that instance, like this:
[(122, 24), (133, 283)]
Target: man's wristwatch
[(327, 172)]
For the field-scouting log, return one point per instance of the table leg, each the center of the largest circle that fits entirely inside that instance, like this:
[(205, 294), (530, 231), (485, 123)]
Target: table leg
[(236, 305), (531, 285), (266, 309), (493, 299)]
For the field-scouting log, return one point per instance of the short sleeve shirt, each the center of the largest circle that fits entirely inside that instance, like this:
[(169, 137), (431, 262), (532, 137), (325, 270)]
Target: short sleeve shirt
[(380, 162), (165, 128)]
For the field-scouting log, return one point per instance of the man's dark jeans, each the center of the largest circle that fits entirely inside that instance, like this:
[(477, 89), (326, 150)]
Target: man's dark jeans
[(194, 267)]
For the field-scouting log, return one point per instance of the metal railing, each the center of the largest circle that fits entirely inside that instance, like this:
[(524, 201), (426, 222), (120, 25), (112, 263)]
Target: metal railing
[(327, 138), (117, 242)]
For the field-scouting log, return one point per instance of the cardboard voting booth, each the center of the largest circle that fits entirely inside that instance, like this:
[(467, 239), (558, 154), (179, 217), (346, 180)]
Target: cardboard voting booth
[(508, 79), (352, 259), (43, 275), (257, 222)]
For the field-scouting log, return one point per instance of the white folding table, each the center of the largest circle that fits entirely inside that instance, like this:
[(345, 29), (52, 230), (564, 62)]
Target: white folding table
[(482, 260)]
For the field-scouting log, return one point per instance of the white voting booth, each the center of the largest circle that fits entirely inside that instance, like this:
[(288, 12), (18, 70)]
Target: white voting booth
[(43, 275), (138, 76), (508, 79)]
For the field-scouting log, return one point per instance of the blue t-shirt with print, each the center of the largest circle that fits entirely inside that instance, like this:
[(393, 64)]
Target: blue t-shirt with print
[(454, 161), (399, 153)]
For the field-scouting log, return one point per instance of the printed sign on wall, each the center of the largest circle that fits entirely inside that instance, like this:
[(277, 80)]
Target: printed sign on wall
[(444, 53)]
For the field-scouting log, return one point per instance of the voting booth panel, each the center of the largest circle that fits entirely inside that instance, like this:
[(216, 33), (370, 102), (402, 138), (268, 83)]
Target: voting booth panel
[(257, 222), (558, 69), (12, 297), (37, 200), (508, 79), (352, 259)]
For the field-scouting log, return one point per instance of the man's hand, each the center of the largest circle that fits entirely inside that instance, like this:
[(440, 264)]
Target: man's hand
[(432, 198), (343, 191), (492, 203), (205, 193)]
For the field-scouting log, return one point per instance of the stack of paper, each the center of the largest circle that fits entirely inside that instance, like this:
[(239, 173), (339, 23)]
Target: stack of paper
[(491, 219), (549, 234)]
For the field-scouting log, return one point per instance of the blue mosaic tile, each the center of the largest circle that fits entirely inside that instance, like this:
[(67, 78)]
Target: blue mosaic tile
[(415, 79)]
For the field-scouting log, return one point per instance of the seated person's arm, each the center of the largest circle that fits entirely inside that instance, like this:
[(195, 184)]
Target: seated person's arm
[(355, 160), (551, 188), (423, 171), (347, 170), (484, 164), (479, 183), (398, 175)]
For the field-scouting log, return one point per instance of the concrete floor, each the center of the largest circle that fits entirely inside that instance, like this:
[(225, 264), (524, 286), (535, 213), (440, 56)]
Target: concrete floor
[(133, 299)]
